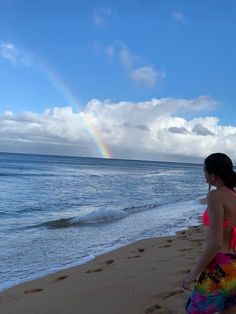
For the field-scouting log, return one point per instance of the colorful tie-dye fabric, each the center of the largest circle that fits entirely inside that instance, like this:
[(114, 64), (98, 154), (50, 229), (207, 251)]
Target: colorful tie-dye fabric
[(215, 289)]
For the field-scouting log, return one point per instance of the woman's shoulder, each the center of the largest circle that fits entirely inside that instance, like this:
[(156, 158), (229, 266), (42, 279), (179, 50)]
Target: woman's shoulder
[(215, 195), (221, 194)]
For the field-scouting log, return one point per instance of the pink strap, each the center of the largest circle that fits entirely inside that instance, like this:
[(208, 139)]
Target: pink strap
[(205, 218)]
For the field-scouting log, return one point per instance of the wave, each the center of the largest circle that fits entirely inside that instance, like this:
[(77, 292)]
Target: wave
[(136, 209), (29, 210), (4, 213), (98, 216), (94, 217), (165, 173), (15, 174)]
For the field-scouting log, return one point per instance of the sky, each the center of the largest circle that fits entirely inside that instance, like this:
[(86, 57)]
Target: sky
[(137, 79)]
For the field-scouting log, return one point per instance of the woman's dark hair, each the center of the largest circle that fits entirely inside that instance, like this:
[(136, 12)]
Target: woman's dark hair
[(221, 165)]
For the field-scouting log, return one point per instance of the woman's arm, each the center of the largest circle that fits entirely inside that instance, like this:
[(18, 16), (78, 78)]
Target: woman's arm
[(208, 237), (216, 216)]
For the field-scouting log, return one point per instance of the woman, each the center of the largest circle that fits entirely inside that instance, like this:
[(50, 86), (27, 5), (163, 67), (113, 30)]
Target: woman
[(215, 289)]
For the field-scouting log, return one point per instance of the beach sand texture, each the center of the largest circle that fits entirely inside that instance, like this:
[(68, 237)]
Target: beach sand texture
[(144, 277)]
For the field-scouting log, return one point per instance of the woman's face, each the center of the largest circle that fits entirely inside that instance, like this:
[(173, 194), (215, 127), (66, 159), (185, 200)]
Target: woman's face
[(210, 178), (207, 176)]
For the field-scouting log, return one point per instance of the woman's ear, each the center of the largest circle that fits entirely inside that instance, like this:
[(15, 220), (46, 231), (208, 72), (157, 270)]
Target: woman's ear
[(213, 177)]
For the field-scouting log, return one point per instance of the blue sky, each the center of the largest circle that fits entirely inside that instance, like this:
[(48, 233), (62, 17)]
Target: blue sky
[(68, 53)]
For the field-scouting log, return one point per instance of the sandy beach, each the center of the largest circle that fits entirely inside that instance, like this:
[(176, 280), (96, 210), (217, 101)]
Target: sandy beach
[(144, 277)]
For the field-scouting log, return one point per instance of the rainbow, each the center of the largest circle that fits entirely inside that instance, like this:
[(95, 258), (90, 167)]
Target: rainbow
[(62, 87), (97, 137)]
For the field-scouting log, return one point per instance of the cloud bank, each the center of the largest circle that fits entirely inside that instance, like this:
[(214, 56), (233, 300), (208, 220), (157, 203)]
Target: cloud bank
[(153, 130)]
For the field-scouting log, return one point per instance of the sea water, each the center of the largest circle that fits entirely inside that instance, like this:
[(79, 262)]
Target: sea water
[(57, 212)]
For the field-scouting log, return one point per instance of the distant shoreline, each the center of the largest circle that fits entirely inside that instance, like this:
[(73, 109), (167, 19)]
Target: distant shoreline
[(115, 159)]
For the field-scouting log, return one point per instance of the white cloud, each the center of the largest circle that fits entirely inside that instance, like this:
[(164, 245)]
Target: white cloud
[(147, 75), (14, 55), (178, 16), (126, 58), (8, 52), (145, 130), (100, 15), (144, 75)]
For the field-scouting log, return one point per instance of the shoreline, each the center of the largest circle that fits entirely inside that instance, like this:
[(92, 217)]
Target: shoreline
[(85, 260), (142, 277)]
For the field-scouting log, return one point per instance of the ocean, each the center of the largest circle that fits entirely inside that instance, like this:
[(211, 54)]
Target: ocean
[(57, 212)]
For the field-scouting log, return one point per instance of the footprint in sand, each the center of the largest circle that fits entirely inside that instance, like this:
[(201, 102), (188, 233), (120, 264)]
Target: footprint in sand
[(196, 240), (109, 262), (164, 246), (171, 294), (33, 290), (157, 309), (60, 278), (141, 250), (186, 249), (186, 271), (135, 256), (152, 308), (94, 270)]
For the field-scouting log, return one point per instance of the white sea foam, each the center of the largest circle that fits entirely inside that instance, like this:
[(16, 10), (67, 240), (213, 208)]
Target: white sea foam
[(98, 216)]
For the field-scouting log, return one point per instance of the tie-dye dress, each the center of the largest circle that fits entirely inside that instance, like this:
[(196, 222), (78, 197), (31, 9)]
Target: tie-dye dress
[(215, 289)]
